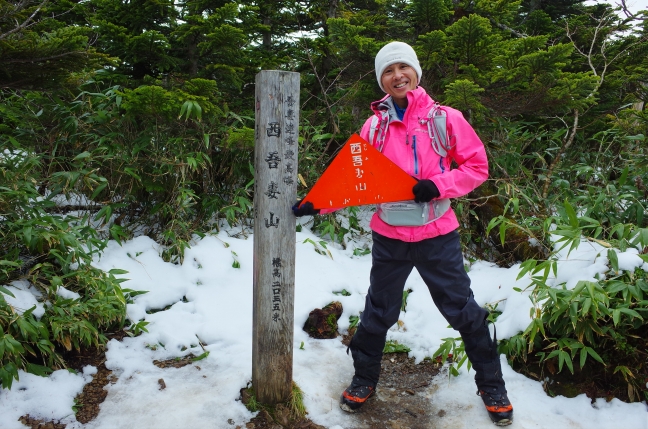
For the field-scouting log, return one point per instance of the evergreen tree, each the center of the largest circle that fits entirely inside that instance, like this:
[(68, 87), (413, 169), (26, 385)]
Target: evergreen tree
[(37, 51), (472, 45), (208, 41), (137, 32), (556, 9), (429, 15)]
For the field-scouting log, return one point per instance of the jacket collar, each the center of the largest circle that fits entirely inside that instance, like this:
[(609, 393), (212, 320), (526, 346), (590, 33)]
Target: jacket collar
[(387, 103)]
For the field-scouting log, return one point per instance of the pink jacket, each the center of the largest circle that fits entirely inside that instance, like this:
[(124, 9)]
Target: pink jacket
[(408, 144)]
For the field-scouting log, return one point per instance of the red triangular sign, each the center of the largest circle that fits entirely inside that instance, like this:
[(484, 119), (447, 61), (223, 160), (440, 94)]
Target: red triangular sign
[(360, 175)]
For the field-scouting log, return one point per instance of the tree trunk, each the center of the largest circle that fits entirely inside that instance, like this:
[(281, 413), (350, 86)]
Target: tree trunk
[(267, 34)]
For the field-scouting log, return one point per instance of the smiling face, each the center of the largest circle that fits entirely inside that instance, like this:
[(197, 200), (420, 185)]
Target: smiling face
[(397, 79)]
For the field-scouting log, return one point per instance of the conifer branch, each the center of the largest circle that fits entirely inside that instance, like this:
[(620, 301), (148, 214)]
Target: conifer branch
[(18, 7)]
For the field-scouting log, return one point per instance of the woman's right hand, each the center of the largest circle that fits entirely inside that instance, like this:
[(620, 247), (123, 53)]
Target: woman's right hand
[(306, 209)]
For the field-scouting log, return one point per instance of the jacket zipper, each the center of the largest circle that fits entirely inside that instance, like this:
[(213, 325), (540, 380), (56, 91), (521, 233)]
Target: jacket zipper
[(416, 167)]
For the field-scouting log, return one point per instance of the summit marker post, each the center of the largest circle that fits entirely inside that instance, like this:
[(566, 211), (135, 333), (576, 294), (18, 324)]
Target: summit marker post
[(275, 190)]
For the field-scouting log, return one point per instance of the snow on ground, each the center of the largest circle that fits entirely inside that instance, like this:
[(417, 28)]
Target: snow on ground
[(217, 311)]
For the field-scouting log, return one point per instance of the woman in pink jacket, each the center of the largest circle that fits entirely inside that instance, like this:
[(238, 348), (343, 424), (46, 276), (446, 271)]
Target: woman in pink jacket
[(422, 233)]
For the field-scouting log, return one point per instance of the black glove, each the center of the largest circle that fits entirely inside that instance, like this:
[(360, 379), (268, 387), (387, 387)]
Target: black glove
[(305, 210), (425, 191)]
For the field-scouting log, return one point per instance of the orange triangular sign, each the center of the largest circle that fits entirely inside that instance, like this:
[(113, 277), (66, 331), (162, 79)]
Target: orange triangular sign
[(360, 175)]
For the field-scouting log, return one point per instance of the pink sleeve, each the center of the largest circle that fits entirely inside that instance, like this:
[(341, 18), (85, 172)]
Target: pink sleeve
[(470, 156)]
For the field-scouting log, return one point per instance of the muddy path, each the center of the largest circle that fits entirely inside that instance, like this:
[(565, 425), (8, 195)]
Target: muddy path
[(402, 399)]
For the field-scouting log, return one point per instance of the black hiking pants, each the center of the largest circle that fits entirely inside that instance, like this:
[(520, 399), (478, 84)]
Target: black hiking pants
[(439, 261)]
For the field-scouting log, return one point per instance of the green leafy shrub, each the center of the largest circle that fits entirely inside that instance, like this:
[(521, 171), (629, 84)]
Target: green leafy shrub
[(23, 338), (610, 182), (452, 350), (602, 322), (392, 346), (156, 158), (50, 251)]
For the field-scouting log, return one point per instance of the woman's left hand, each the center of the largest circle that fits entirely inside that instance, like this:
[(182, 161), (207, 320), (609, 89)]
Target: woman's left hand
[(425, 191)]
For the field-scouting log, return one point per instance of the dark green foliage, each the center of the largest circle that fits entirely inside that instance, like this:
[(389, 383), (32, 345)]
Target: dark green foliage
[(555, 9), (472, 42), (50, 251), (38, 51), (429, 15)]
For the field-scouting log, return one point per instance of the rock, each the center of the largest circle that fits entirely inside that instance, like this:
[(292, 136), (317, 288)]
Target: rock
[(322, 323)]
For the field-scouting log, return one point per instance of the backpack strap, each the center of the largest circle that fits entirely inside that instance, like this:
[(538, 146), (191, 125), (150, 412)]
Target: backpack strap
[(375, 122), (437, 130), (378, 129)]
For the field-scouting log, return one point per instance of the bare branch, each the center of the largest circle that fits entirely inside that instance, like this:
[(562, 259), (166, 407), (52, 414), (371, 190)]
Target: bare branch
[(570, 33), (324, 98), (40, 60), (629, 15), (27, 21), (510, 30), (601, 23), (556, 160)]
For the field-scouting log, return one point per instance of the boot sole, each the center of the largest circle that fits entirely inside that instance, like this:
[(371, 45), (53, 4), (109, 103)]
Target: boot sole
[(348, 409), (503, 422)]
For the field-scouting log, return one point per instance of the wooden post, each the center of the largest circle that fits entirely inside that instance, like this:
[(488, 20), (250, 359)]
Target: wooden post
[(275, 189)]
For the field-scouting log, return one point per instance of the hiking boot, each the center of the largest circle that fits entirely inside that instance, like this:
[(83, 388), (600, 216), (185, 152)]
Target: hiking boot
[(498, 406), (355, 396)]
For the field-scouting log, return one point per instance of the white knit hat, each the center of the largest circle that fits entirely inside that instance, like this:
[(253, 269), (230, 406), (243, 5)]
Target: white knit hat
[(396, 52)]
